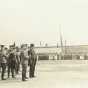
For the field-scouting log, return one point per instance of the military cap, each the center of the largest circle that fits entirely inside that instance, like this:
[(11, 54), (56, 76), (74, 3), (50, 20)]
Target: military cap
[(2, 45), (31, 45)]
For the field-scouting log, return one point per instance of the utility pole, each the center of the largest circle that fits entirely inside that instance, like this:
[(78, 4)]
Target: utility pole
[(65, 46), (61, 40)]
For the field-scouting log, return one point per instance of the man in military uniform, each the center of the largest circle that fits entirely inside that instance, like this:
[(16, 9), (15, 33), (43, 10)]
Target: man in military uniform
[(17, 60), (0, 61), (3, 66), (24, 61), (11, 63), (32, 60), (3, 62)]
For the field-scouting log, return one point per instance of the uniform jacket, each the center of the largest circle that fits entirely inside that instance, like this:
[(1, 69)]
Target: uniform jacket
[(11, 59), (24, 58)]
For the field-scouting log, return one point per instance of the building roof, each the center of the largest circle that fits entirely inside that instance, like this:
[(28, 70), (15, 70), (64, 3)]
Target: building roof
[(79, 49), (48, 50)]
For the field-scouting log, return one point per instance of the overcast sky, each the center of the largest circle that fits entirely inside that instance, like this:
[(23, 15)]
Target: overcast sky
[(27, 21)]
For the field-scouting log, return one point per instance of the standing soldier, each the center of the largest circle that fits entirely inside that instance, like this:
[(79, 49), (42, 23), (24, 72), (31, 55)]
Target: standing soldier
[(24, 61), (17, 61), (0, 61), (32, 60), (11, 63), (3, 62)]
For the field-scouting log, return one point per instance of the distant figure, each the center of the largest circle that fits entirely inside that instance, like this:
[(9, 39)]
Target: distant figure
[(32, 60), (24, 61)]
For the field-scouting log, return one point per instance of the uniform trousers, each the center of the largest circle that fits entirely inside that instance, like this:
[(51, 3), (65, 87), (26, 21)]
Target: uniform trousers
[(11, 68), (3, 69), (24, 71)]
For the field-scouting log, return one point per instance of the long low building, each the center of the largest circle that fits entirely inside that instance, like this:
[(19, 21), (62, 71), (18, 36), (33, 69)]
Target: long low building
[(79, 52)]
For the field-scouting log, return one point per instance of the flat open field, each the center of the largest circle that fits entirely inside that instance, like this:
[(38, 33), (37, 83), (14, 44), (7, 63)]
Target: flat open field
[(54, 74)]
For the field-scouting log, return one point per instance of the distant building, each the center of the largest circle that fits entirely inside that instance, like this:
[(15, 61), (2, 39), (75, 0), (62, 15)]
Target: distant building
[(79, 52), (47, 53)]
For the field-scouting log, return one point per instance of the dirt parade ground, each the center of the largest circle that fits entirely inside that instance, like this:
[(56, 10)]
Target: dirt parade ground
[(53, 74)]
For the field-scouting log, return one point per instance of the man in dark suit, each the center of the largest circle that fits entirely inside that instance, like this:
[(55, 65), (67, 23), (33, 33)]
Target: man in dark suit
[(32, 60)]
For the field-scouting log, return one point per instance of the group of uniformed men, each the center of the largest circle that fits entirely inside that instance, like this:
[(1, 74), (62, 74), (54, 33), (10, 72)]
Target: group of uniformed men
[(11, 60)]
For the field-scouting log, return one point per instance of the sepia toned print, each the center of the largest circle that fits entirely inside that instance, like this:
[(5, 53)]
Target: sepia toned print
[(43, 44)]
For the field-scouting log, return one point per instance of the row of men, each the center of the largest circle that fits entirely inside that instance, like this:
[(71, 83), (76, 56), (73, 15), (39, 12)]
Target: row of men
[(12, 60)]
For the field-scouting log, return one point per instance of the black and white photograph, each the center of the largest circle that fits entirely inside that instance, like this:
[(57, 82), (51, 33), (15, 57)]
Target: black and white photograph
[(43, 43)]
